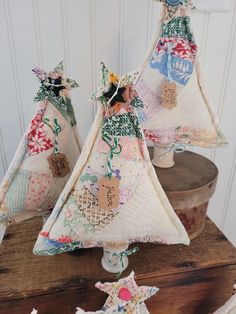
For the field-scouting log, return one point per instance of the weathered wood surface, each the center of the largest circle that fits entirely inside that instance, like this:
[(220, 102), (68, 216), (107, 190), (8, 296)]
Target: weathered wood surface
[(193, 280)]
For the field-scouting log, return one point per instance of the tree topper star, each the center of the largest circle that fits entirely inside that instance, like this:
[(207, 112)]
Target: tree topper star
[(55, 80)]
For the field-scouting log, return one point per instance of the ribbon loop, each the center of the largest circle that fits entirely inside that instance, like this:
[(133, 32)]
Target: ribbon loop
[(120, 256), (116, 92), (175, 148), (56, 129), (169, 52), (115, 149)]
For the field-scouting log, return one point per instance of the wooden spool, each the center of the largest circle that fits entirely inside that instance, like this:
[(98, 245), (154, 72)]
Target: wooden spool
[(189, 185)]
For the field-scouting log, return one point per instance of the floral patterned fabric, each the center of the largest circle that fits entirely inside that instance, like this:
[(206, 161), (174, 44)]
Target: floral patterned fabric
[(125, 296), (29, 187), (173, 58), (37, 137), (115, 149)]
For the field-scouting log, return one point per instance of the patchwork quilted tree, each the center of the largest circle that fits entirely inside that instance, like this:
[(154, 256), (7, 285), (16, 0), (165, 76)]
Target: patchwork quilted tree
[(46, 154), (176, 108), (113, 194)]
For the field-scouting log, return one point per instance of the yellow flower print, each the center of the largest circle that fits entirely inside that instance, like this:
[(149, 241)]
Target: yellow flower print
[(113, 78)]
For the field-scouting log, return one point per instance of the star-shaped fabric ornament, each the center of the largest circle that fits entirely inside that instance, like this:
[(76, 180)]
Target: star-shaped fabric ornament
[(125, 296), (115, 94), (55, 80), (172, 7), (115, 91), (112, 84), (55, 85)]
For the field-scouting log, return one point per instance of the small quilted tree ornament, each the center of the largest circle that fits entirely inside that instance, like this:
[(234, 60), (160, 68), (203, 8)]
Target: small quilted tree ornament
[(177, 111), (125, 296), (46, 155), (113, 197)]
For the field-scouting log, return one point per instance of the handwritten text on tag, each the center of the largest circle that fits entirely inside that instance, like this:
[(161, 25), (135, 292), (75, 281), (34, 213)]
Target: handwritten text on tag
[(169, 95), (59, 165), (109, 193)]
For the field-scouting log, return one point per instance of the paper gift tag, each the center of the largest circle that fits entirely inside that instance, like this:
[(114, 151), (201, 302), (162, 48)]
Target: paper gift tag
[(169, 95), (109, 193), (59, 165)]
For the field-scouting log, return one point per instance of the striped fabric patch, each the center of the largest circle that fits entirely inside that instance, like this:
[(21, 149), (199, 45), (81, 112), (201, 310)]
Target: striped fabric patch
[(15, 196)]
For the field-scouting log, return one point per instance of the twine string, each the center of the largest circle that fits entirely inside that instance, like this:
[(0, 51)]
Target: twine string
[(116, 92), (56, 129), (115, 149), (121, 255), (169, 59), (175, 148)]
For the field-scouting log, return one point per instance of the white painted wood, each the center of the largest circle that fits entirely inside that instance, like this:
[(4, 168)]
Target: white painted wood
[(84, 32), (213, 5)]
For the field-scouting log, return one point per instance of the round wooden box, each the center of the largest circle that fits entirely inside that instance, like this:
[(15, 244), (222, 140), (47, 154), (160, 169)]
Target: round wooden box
[(189, 185)]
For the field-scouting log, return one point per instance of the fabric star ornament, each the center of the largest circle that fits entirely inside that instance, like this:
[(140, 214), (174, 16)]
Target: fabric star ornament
[(113, 195), (177, 109), (46, 154), (118, 94), (125, 296)]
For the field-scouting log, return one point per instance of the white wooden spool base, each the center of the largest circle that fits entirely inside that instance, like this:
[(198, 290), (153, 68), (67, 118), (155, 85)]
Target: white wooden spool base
[(111, 263), (163, 158)]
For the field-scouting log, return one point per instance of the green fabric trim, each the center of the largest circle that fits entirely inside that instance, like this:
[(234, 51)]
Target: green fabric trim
[(137, 102), (62, 104), (178, 27), (122, 125), (57, 250)]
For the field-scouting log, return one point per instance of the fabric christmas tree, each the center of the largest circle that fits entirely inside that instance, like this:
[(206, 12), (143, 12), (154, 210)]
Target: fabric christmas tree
[(125, 296), (113, 194), (46, 154), (170, 84)]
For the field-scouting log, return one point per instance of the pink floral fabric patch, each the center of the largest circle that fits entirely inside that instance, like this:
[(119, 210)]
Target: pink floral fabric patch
[(181, 48), (37, 138), (163, 136), (130, 149), (153, 100), (37, 190)]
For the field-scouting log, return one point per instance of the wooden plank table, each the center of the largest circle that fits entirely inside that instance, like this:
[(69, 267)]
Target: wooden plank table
[(192, 280)]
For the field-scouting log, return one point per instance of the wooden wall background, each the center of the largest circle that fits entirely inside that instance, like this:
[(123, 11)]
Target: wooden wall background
[(83, 32)]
